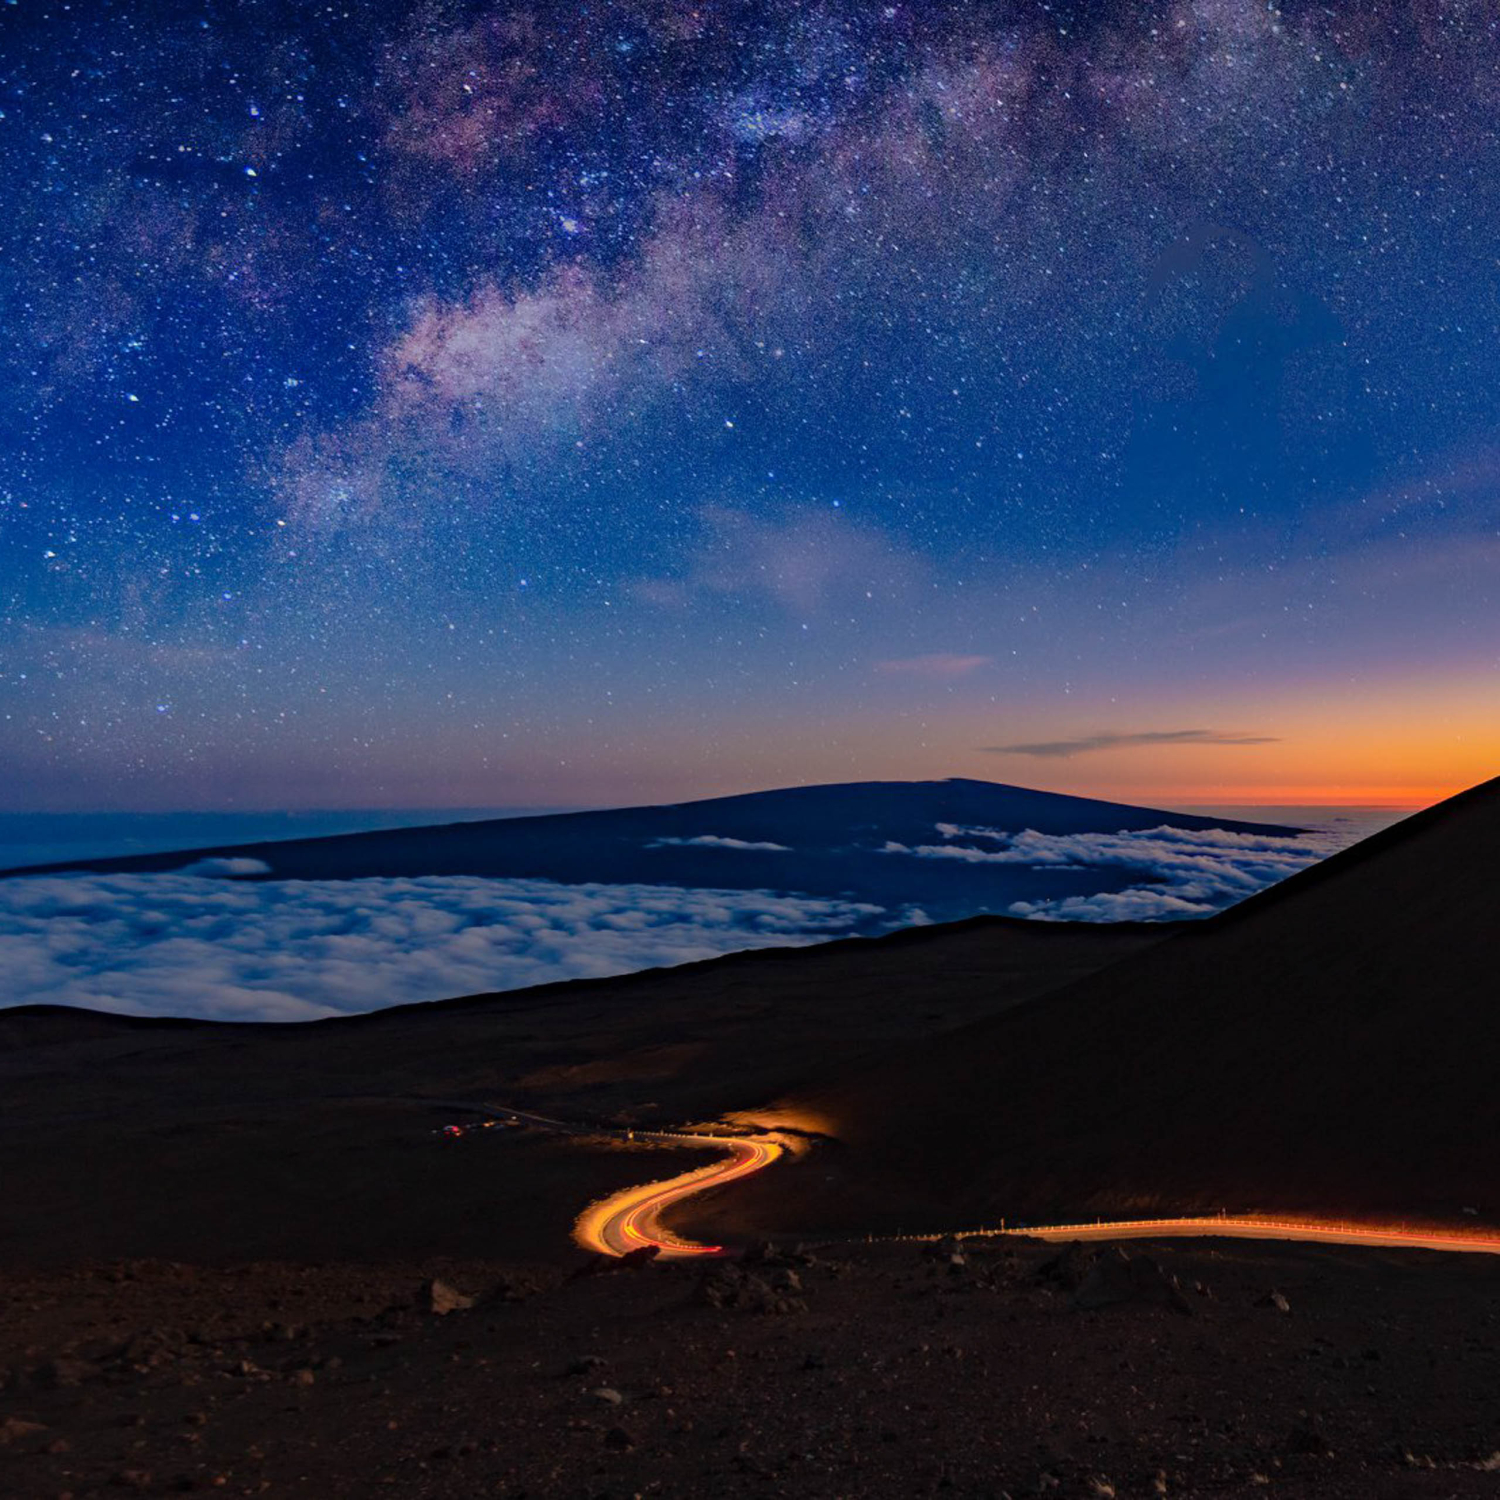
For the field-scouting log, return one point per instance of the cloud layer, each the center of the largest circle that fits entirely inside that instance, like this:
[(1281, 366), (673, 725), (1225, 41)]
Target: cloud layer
[(1062, 749), (715, 841), (238, 950), (1184, 873)]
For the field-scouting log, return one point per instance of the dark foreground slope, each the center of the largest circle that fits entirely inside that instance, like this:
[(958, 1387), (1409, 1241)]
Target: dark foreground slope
[(1328, 1045), (883, 1372), (211, 1142), (825, 841)]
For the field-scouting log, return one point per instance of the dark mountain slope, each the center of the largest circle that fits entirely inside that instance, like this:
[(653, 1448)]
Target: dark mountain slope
[(830, 838), (212, 1141), (1329, 1045)]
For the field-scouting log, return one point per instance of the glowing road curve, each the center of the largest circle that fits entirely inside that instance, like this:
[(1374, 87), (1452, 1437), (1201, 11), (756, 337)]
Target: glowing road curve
[(631, 1219)]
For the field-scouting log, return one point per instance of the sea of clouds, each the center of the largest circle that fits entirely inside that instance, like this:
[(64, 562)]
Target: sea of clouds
[(1186, 873), (202, 942), (216, 940)]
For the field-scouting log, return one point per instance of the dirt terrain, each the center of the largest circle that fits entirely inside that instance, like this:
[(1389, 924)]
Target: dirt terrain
[(242, 1260), (211, 1142), (996, 1368)]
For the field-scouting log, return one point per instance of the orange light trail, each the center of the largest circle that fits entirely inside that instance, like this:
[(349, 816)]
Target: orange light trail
[(1320, 1231), (630, 1219)]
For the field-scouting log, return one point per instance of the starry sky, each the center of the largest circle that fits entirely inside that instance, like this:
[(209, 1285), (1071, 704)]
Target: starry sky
[(454, 404)]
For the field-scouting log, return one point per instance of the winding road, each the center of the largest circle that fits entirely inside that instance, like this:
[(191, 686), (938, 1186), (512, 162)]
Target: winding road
[(631, 1219), (1252, 1227)]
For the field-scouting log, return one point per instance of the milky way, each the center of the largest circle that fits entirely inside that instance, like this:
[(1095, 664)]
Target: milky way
[(462, 403)]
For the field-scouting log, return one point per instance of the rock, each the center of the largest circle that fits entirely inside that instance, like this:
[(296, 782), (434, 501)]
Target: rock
[(1308, 1440), (1068, 1269), (584, 1364), (1276, 1300), (303, 1377), (1116, 1278), (443, 1299), (945, 1249), (786, 1281), (152, 1347), (57, 1373), (608, 1395), (12, 1428), (1490, 1465), (732, 1287), (767, 1254)]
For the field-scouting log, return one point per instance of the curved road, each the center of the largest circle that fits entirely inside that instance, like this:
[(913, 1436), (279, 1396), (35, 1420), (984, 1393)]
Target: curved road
[(631, 1219), (1250, 1227)]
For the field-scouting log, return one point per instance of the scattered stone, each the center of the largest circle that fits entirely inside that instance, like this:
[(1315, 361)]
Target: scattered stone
[(1308, 1440), (443, 1299), (1116, 1278), (618, 1439), (1068, 1269), (634, 1260), (151, 1348), (584, 1364), (303, 1377), (132, 1479), (12, 1428), (57, 1373), (608, 1395), (732, 1287), (1490, 1465), (1276, 1300), (945, 1250)]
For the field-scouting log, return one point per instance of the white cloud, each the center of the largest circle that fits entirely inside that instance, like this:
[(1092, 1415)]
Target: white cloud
[(226, 869), (1192, 872), (713, 841), (176, 944)]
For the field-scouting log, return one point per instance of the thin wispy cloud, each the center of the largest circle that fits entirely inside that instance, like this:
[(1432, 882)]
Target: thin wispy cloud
[(1084, 744), (714, 841)]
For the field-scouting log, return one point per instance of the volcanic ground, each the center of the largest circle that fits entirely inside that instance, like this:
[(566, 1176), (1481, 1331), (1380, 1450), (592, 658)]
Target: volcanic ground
[(221, 1242)]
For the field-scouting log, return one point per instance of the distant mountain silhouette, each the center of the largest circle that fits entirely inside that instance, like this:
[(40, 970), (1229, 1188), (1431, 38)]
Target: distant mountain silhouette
[(1327, 1045), (831, 839)]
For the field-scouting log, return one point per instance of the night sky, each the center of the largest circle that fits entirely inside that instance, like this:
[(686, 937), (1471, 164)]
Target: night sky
[(563, 404)]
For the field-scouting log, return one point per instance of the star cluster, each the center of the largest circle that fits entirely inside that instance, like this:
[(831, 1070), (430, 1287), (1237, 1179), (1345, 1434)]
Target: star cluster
[(454, 403)]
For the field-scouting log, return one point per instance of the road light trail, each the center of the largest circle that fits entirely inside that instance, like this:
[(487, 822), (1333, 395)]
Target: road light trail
[(631, 1219), (1250, 1227)]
